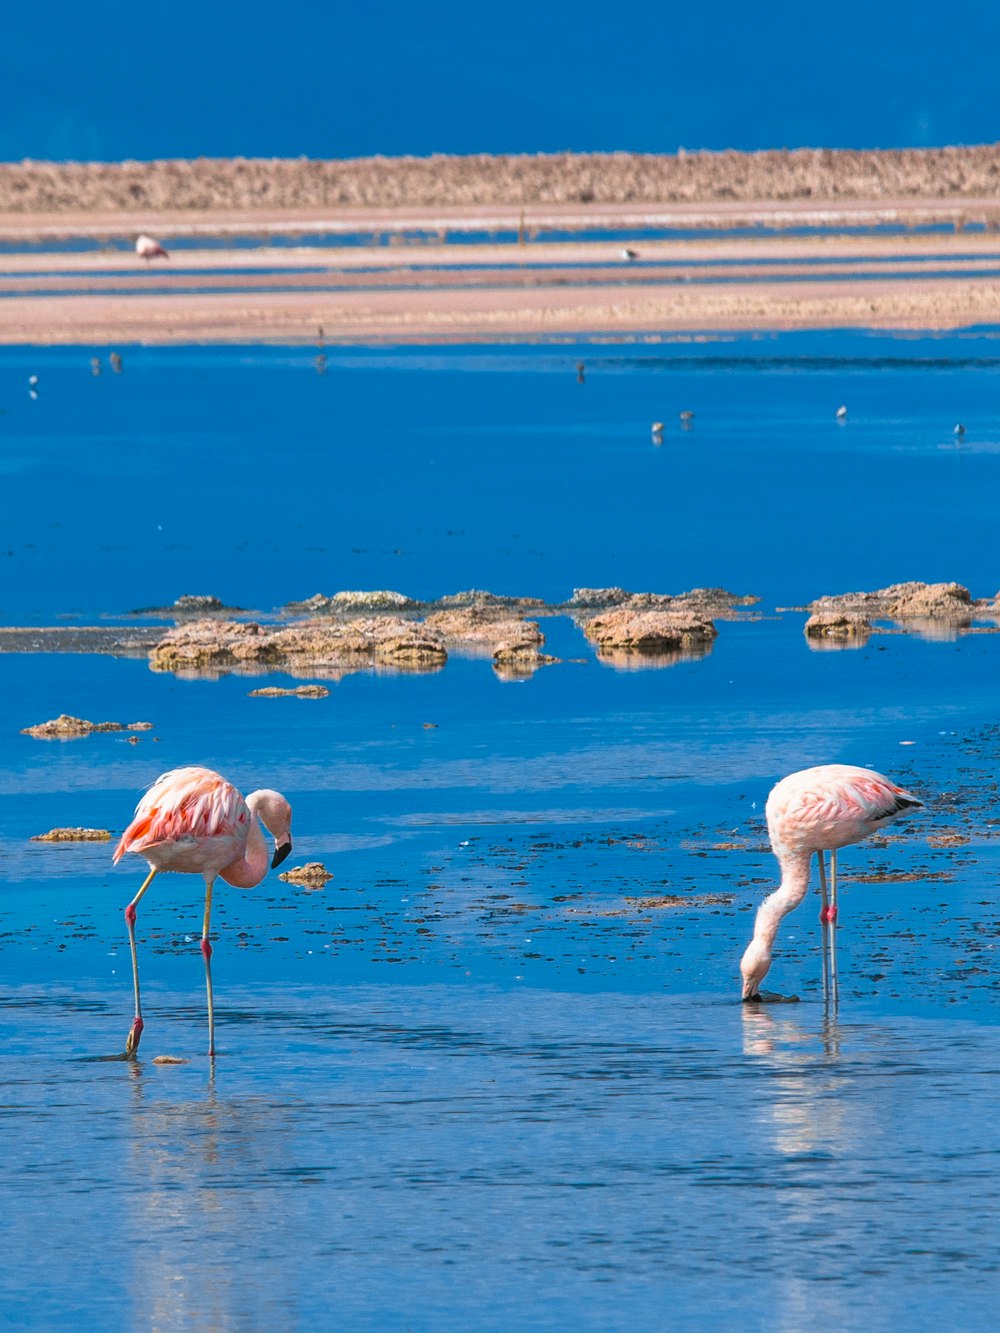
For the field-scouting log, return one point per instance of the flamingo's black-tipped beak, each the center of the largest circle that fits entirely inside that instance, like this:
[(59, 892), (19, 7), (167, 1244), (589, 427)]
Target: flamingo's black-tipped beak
[(280, 853)]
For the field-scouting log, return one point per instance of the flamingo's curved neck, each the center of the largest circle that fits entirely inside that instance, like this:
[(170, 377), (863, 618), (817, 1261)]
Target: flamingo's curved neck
[(250, 868), (793, 888)]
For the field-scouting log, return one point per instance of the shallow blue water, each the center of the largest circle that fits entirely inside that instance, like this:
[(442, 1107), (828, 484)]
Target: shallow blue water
[(340, 234), (496, 1073), (243, 473)]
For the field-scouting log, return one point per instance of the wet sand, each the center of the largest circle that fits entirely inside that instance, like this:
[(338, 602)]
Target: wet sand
[(496, 312), (517, 283)]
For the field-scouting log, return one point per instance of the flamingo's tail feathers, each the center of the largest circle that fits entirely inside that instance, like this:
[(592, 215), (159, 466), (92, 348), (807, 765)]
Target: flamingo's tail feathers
[(133, 838), (898, 802)]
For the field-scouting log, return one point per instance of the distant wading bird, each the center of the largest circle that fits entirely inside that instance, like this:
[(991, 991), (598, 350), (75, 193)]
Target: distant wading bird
[(194, 821), (816, 810), (147, 248)]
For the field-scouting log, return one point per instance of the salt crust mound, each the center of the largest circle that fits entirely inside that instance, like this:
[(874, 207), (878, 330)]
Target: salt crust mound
[(900, 601), (650, 631), (838, 625)]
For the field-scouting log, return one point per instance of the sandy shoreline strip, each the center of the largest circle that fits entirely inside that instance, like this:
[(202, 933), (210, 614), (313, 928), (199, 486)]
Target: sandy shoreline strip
[(721, 214), (400, 280), (421, 315)]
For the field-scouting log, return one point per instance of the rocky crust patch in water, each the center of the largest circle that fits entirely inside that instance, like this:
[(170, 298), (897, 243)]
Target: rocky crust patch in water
[(842, 627), (211, 643), (714, 601), (335, 644), (658, 632), (902, 601), (74, 835), (65, 727), (313, 875), (297, 692), (379, 600), (191, 604), (344, 603)]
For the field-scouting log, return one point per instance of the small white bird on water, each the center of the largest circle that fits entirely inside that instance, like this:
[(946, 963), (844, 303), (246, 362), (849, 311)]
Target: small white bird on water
[(629, 254), (842, 413), (959, 429), (148, 248)]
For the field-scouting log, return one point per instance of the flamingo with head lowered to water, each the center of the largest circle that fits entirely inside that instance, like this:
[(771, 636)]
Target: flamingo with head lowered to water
[(816, 810), (147, 248), (194, 821)]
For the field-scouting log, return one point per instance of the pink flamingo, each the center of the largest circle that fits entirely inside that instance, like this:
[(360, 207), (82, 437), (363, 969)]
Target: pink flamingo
[(816, 810), (193, 820), (147, 248)]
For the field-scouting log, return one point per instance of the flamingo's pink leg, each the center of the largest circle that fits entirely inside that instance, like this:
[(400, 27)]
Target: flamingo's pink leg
[(206, 949), (132, 1040), (824, 911)]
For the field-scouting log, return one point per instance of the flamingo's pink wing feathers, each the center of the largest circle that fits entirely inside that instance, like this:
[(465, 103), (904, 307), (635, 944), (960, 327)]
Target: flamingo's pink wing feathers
[(833, 804), (185, 803)]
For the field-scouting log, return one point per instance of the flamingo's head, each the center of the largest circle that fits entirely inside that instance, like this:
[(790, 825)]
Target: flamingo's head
[(754, 966), (276, 815)]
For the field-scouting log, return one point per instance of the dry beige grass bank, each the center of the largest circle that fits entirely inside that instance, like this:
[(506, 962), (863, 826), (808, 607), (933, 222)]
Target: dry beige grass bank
[(556, 178)]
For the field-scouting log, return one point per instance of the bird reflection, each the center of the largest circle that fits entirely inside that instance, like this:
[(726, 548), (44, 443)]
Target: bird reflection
[(196, 1164)]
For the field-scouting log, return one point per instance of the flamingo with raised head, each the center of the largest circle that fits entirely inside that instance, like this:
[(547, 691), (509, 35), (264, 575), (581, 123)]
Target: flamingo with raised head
[(192, 820), (148, 248), (816, 810)]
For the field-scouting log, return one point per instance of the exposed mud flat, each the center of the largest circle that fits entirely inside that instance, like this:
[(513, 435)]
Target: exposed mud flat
[(123, 642)]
